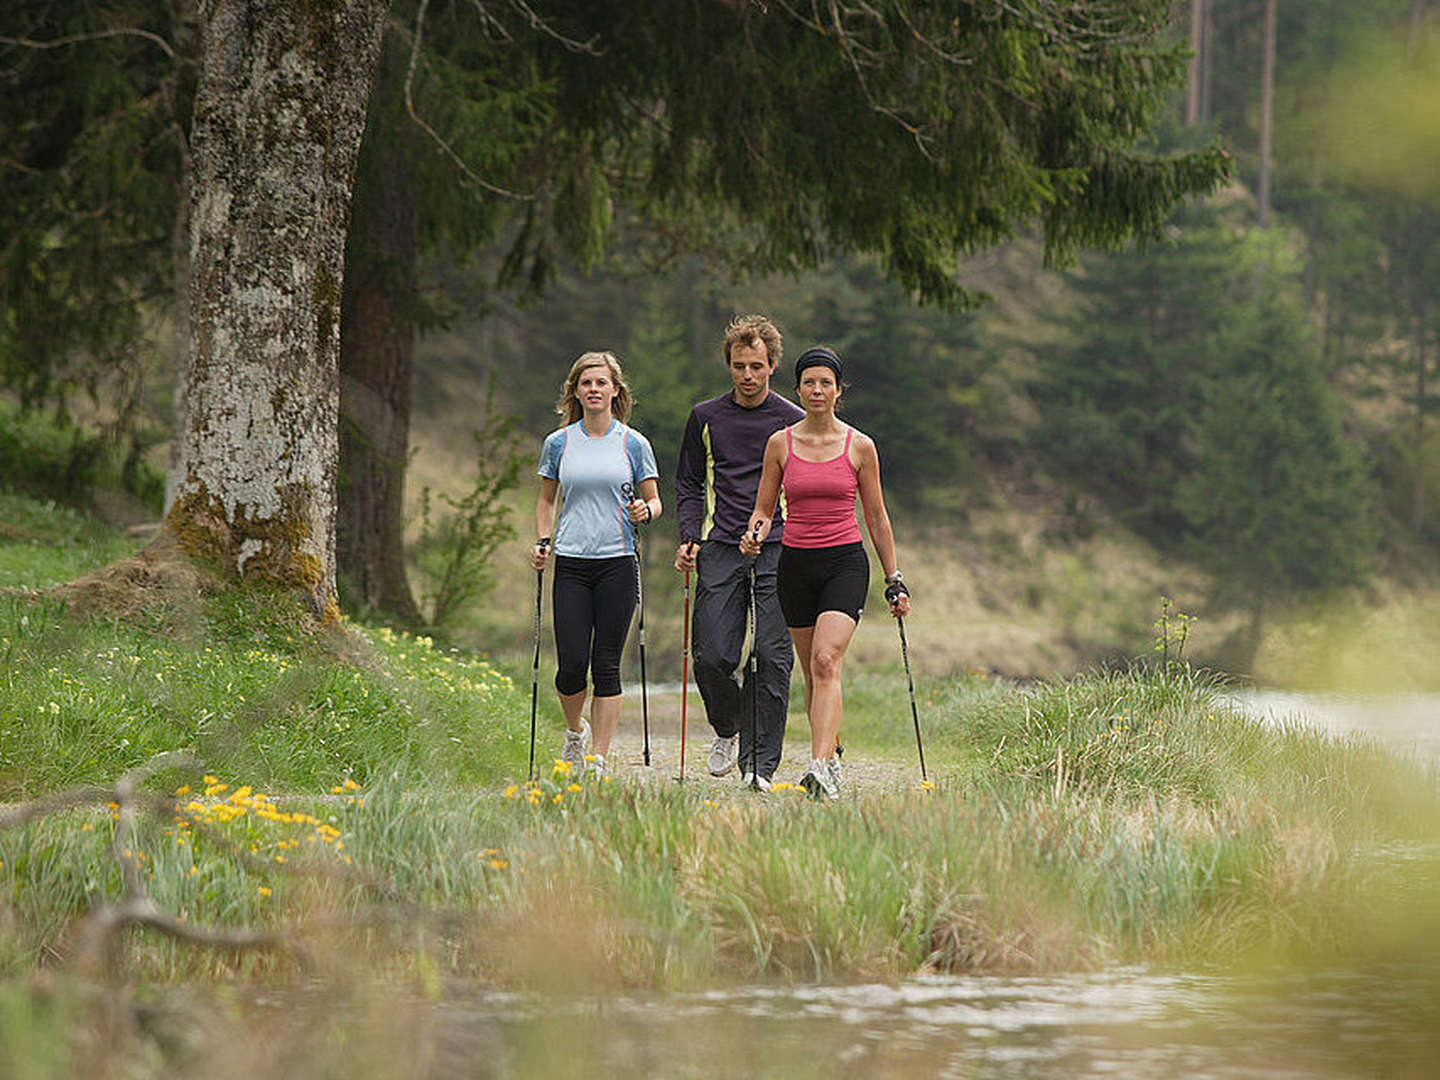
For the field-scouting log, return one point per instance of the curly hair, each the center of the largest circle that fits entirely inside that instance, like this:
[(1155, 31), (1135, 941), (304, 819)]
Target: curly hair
[(569, 405), (753, 330)]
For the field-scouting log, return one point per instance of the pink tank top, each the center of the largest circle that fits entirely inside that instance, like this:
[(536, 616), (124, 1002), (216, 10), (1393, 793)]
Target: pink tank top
[(820, 499)]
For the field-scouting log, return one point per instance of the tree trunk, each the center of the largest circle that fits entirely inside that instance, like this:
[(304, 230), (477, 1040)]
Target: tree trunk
[(279, 111), (1193, 96), (1422, 334), (1267, 114), (1207, 64), (377, 344)]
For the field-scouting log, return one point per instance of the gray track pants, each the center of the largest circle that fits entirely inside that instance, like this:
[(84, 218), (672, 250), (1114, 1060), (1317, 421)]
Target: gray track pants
[(722, 603)]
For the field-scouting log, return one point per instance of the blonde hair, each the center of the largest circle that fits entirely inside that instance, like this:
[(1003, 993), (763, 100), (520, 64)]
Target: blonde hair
[(569, 405), (753, 330)]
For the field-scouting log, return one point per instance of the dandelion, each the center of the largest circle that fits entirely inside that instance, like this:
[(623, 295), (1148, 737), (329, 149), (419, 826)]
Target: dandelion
[(87, 827), (182, 790), (512, 791), (559, 798), (194, 871), (498, 864), (264, 891), (927, 785), (572, 788)]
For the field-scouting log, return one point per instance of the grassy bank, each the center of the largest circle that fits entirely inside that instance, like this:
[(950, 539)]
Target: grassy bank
[(356, 795)]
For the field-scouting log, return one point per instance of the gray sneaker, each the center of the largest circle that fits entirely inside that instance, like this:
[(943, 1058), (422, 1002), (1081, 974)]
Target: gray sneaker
[(759, 783), (577, 743), (834, 766), (818, 783), (724, 753)]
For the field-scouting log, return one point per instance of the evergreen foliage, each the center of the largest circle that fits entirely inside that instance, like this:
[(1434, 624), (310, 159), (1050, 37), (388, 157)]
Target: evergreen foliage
[(92, 136), (1197, 402)]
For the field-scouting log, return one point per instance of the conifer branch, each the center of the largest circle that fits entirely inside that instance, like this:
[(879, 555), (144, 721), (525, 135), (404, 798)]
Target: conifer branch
[(449, 151), (97, 35)]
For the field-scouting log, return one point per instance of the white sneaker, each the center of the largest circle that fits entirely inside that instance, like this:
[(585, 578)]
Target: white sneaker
[(818, 783), (577, 743), (759, 783), (834, 766), (724, 753)]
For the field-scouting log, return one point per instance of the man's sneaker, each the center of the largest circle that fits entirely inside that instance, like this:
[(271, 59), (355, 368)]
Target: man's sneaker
[(817, 781), (759, 783), (724, 753), (834, 766), (576, 745), (595, 767)]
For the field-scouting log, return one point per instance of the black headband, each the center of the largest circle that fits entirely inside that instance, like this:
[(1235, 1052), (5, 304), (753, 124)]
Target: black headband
[(819, 356)]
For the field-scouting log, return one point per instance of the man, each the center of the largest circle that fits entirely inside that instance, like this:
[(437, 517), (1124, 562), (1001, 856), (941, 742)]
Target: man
[(715, 482)]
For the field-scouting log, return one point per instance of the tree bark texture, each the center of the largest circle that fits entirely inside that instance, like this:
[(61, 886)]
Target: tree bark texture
[(377, 344), (1194, 95), (1267, 114), (279, 112)]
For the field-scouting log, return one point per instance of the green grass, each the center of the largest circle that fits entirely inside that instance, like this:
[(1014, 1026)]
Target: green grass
[(238, 678), (43, 543), (1126, 817)]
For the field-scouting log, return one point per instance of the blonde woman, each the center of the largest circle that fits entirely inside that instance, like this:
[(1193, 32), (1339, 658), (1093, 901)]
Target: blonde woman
[(597, 484), (822, 463)]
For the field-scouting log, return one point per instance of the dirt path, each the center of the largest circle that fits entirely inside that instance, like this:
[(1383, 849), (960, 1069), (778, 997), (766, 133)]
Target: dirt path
[(864, 774)]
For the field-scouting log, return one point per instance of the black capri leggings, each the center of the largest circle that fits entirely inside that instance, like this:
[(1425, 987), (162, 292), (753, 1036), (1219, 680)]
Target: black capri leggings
[(593, 602)]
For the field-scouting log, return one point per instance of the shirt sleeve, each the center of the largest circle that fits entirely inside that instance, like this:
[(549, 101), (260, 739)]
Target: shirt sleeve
[(642, 457), (550, 455), (690, 482)]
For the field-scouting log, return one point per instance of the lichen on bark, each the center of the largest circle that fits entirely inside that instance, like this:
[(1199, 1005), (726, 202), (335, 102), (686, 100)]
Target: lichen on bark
[(279, 112)]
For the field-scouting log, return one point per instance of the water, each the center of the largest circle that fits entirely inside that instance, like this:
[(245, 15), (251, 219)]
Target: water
[(1121, 1023), (1409, 723)]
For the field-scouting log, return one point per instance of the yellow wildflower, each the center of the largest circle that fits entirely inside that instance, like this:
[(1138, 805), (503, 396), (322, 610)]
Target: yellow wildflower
[(265, 891), (499, 864)]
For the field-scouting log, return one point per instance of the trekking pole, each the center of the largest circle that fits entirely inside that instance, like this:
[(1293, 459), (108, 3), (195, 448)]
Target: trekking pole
[(752, 676), (644, 686), (684, 673), (629, 493), (544, 545), (914, 712)]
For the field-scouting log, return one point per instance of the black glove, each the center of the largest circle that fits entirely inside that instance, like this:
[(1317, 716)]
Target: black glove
[(894, 591)]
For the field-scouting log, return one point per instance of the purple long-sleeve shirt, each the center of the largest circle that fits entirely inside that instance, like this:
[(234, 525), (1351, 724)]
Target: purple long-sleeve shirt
[(721, 458)]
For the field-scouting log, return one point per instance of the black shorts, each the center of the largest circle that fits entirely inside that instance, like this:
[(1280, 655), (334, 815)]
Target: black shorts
[(812, 580)]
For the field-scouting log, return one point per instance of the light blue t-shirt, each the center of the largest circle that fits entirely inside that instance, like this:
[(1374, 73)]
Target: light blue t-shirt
[(593, 471)]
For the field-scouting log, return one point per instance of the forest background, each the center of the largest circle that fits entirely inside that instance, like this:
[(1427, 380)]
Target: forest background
[(1237, 417)]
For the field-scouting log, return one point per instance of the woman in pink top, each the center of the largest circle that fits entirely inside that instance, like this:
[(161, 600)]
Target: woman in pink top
[(822, 463)]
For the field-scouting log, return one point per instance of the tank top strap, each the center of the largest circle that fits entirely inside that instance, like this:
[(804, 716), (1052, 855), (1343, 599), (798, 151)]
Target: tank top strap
[(789, 443), (849, 434)]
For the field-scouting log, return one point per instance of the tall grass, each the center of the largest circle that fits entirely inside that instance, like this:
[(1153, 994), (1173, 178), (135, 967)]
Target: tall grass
[(1279, 845), (1126, 816)]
